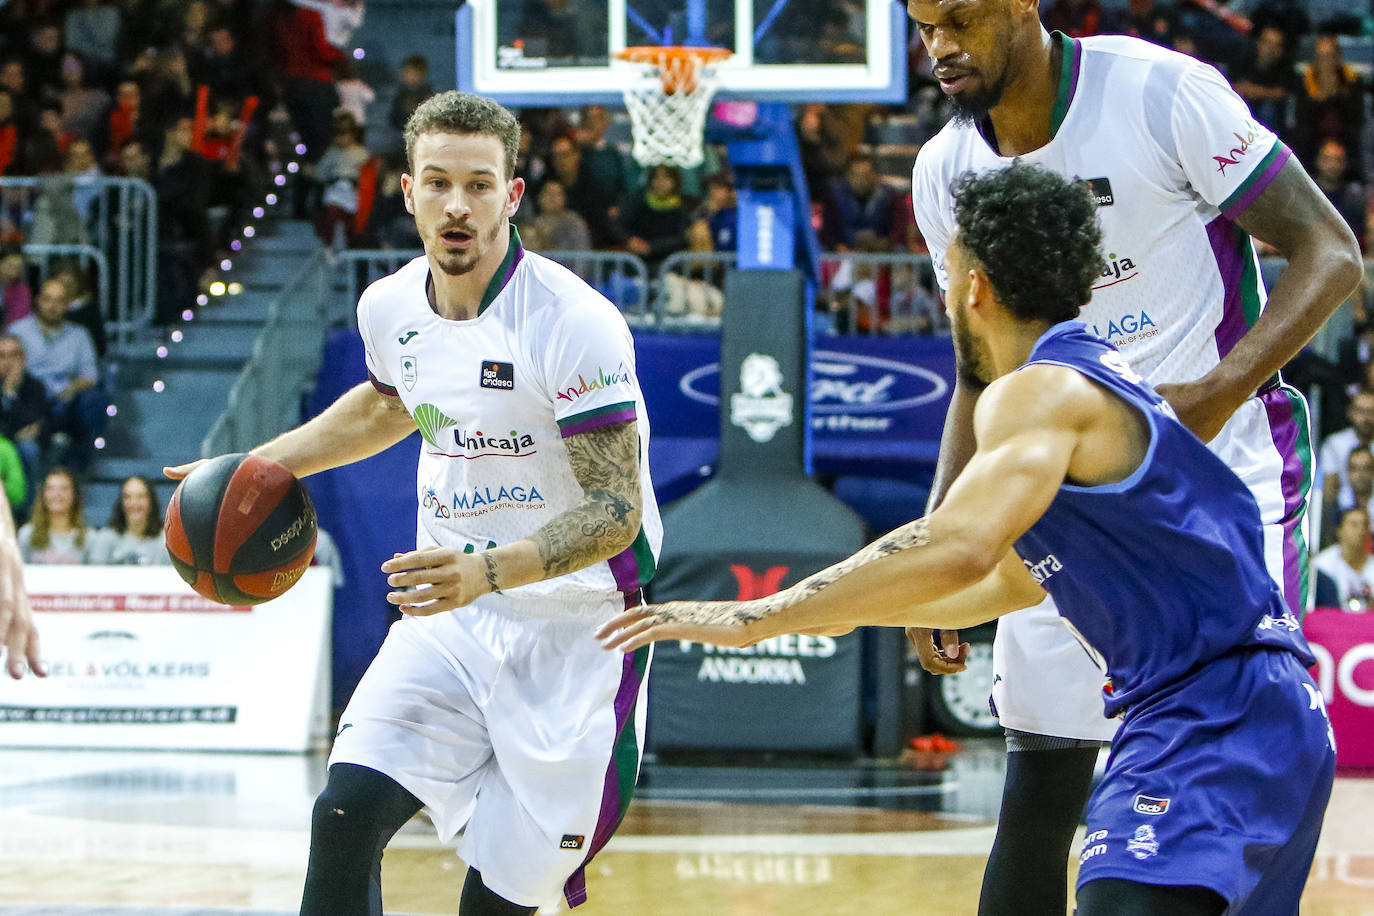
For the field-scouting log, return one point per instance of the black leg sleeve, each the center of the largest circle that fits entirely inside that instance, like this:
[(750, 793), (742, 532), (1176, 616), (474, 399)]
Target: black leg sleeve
[(1042, 803), (1114, 897), (355, 817)]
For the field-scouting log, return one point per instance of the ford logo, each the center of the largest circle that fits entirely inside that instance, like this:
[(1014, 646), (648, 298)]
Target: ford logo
[(842, 383)]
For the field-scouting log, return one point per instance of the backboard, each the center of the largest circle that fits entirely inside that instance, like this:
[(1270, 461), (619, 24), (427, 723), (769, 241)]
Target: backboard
[(561, 52)]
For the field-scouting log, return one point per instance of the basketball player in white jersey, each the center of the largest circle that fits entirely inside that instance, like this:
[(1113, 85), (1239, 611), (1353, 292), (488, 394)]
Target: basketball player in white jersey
[(1184, 178), (489, 704)]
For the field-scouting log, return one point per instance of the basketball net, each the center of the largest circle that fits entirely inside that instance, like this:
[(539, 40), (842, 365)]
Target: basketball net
[(668, 100)]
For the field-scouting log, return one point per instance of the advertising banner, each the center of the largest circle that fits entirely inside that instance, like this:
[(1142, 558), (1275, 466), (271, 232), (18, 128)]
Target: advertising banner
[(1344, 646), (139, 660)]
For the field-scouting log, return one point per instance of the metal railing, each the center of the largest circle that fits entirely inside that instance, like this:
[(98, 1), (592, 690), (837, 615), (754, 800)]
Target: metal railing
[(890, 293), (265, 399), (115, 216), (618, 275)]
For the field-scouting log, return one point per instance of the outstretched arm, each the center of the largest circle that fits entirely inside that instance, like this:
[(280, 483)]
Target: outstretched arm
[(949, 569)]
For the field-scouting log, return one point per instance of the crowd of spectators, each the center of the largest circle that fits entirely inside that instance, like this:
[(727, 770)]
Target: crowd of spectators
[(189, 97)]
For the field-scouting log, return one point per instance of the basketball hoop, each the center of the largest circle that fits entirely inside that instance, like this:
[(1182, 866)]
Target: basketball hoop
[(667, 101)]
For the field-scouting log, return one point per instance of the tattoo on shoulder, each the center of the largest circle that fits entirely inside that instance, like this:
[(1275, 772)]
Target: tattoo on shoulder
[(605, 462)]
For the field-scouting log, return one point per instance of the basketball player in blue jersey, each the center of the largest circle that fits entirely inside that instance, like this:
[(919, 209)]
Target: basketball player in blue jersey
[(489, 704), (1085, 485), (1184, 177)]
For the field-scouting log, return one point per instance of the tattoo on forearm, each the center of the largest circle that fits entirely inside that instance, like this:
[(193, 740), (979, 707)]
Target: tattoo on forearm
[(606, 463), (739, 613), (490, 567)]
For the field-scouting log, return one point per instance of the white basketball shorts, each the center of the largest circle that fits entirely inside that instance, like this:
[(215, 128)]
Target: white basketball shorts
[(1044, 681), (523, 733)]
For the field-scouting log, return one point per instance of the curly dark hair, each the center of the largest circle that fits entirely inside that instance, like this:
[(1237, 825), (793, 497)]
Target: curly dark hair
[(1035, 234)]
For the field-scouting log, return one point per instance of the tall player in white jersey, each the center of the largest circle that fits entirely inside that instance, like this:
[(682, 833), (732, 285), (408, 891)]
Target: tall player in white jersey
[(1184, 178), (489, 704)]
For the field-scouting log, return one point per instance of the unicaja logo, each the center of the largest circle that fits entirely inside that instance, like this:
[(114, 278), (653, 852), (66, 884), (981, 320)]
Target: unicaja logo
[(762, 407)]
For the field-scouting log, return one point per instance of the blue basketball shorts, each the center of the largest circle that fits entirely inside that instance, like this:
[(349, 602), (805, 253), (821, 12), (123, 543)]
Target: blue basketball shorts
[(1219, 782)]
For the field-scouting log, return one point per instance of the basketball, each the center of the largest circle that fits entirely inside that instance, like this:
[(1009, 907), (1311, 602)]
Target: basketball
[(240, 529)]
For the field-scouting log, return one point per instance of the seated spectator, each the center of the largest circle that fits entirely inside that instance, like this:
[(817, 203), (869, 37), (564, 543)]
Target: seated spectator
[(605, 164), (58, 532), (42, 154), (82, 306), (1346, 566), (62, 357), (92, 30), (1268, 81), (556, 228), (127, 121), (43, 61), (656, 221), (415, 88), (226, 69), (84, 108), (1359, 472), (14, 79), (1332, 175), (16, 296), (1337, 448), (338, 172), (1331, 107), (134, 535), (720, 211), (183, 182), (23, 407), (81, 166), (861, 201), (821, 135), (586, 196)]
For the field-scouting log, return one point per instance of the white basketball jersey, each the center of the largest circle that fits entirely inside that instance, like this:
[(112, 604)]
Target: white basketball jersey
[(1173, 157), (495, 396)]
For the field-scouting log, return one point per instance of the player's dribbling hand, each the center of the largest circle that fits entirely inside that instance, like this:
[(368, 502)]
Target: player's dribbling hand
[(433, 580), (681, 620), (179, 471), (948, 657)]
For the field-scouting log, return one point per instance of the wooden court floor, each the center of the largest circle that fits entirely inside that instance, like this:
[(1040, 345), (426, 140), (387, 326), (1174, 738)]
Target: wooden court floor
[(174, 834)]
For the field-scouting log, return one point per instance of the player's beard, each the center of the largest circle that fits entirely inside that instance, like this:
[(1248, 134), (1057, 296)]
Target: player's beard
[(970, 107), (972, 360), (456, 263)]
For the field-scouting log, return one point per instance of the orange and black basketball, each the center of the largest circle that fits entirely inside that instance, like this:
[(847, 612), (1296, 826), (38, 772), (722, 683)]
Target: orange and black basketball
[(240, 529)]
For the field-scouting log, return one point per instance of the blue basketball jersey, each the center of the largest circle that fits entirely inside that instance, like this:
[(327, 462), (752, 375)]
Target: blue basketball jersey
[(1164, 571)]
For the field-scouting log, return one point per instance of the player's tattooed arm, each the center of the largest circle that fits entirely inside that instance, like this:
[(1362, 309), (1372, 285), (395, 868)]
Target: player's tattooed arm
[(743, 623), (605, 462)]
